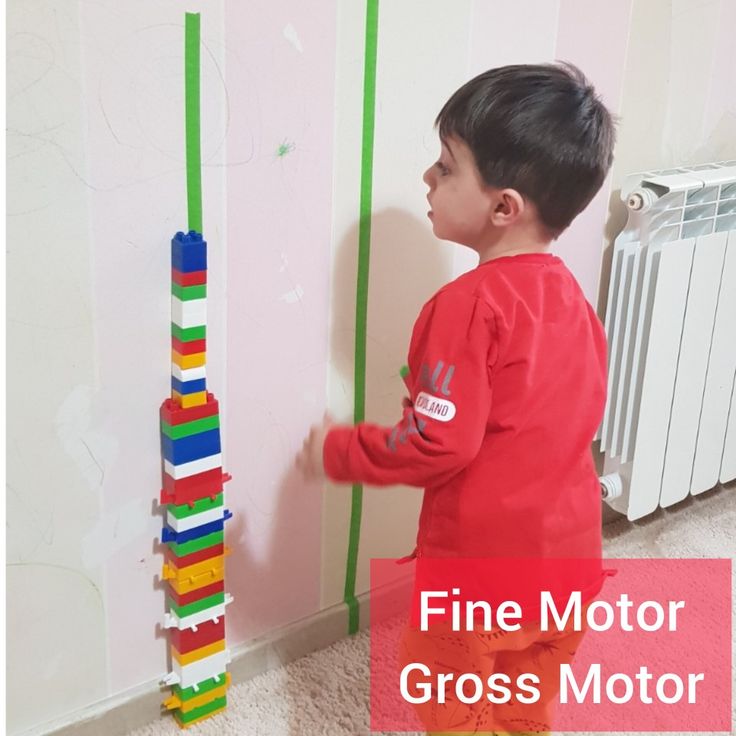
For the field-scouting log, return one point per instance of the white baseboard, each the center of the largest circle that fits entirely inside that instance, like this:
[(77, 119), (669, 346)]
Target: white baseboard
[(124, 712)]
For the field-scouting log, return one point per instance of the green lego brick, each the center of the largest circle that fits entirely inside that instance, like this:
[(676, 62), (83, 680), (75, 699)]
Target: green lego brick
[(202, 711), (186, 548), (203, 504), (197, 606), (185, 293), (177, 431), (203, 687), (186, 334)]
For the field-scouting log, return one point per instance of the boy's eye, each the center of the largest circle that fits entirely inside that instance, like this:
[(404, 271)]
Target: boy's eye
[(442, 168)]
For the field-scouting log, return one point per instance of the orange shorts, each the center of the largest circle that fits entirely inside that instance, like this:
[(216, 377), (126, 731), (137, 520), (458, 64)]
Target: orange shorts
[(483, 653)]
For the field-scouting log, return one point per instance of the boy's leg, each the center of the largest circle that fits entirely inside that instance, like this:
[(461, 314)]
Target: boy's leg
[(525, 651), (542, 658), (445, 651), (462, 733)]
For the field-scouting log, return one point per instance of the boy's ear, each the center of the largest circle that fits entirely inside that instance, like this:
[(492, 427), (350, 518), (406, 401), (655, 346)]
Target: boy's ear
[(508, 206)]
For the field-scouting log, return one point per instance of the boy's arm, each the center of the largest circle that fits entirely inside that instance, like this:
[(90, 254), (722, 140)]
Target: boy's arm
[(450, 386)]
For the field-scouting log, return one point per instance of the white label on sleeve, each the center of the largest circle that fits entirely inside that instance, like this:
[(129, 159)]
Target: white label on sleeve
[(433, 407)]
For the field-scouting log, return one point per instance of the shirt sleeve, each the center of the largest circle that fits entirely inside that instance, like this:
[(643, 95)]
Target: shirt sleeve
[(450, 360)]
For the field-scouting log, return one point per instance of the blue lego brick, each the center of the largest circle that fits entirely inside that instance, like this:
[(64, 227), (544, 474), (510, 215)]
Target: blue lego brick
[(169, 535), (193, 447), (189, 387), (188, 252)]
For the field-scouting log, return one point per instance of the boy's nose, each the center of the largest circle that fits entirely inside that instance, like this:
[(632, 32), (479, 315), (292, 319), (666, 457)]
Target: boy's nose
[(426, 177)]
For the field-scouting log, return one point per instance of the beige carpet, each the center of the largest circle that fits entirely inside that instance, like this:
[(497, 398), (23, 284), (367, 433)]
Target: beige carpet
[(326, 693)]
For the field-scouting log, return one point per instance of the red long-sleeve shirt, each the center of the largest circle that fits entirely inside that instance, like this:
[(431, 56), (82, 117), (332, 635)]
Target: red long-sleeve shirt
[(508, 386)]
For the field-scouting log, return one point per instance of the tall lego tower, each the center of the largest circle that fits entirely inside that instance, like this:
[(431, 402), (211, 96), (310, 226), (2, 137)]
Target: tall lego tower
[(193, 477)]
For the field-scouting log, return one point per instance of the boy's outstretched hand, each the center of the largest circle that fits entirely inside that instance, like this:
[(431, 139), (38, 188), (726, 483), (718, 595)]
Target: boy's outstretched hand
[(309, 460)]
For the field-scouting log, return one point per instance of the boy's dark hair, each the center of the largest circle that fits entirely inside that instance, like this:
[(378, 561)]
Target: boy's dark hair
[(537, 128)]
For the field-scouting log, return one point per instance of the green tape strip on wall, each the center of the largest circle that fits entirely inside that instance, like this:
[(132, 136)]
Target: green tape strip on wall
[(191, 102), (361, 305)]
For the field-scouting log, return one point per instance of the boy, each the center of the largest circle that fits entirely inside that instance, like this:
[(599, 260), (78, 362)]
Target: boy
[(507, 362)]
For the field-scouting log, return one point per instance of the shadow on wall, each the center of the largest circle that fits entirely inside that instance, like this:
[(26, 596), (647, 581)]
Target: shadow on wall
[(408, 265), (617, 216)]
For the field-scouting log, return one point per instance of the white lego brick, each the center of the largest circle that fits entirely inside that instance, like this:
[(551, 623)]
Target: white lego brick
[(192, 468), (173, 679), (186, 675), (190, 522), (188, 374), (213, 613), (192, 313)]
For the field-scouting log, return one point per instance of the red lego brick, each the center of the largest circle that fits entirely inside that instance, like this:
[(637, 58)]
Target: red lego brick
[(194, 557), (188, 348), (186, 640), (192, 278), (188, 490), (184, 599), (172, 413)]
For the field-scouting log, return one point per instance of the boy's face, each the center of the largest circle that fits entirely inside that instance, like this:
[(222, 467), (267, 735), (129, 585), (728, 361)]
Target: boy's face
[(461, 202)]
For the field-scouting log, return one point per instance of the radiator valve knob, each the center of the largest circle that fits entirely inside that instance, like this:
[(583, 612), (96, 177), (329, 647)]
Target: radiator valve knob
[(611, 486), (640, 200)]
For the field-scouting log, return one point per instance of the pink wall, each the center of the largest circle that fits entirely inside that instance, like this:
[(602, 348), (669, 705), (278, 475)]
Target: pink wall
[(135, 184), (602, 57), (281, 60), (96, 177)]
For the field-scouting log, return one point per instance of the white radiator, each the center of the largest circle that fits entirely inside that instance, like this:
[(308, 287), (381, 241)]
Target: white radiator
[(670, 418)]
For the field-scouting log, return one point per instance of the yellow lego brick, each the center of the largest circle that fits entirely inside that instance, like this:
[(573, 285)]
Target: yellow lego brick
[(173, 702), (186, 579), (186, 705), (198, 568), (204, 579), (188, 361), (186, 400), (197, 720), (201, 653)]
